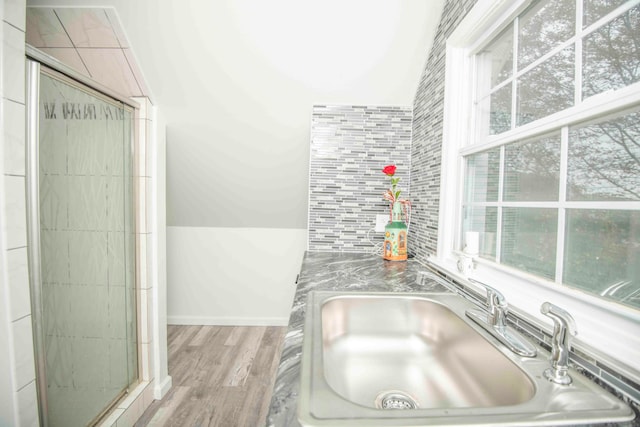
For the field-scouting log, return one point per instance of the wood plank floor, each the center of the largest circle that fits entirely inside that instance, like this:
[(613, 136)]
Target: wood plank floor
[(222, 376)]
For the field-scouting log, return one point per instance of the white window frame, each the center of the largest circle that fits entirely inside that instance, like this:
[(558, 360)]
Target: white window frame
[(612, 329)]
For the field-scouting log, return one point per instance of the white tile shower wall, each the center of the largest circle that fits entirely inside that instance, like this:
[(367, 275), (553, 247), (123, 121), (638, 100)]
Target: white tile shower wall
[(144, 227), (158, 259), (17, 377), (18, 396), (14, 125), (14, 13), (13, 61), (349, 147)]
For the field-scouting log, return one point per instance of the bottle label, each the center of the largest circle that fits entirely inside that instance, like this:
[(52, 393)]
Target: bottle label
[(395, 244)]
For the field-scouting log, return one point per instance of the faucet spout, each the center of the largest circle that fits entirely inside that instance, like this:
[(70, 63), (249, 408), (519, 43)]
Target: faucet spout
[(564, 328), (494, 321)]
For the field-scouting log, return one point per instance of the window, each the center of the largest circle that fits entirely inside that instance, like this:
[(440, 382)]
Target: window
[(552, 167), (540, 156)]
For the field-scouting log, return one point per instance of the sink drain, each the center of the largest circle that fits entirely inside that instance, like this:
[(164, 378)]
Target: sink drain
[(395, 400)]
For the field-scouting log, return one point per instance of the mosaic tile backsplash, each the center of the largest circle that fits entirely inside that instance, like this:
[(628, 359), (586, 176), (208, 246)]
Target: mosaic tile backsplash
[(349, 147), (428, 110)]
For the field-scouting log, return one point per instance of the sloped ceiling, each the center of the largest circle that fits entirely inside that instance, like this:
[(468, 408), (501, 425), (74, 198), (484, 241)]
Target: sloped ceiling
[(236, 80)]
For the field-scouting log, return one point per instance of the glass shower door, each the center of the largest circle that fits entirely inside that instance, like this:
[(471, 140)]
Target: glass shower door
[(87, 240)]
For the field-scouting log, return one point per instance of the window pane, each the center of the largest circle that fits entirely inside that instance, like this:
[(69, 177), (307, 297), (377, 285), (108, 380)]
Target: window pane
[(547, 88), (604, 160), (602, 253), (529, 239), (596, 9), (543, 27), (500, 52), (484, 220), (611, 55), (532, 170), (500, 110), (482, 177)]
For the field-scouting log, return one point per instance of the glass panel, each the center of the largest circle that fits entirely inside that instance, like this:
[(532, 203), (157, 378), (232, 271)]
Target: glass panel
[(602, 254), (611, 55), (547, 88), (604, 160), (500, 53), (485, 221), (482, 177), (544, 26), (596, 9), (529, 239), (532, 170), (495, 65), (500, 114), (85, 252)]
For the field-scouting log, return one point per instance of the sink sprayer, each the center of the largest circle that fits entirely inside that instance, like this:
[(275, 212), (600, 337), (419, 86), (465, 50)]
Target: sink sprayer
[(564, 328)]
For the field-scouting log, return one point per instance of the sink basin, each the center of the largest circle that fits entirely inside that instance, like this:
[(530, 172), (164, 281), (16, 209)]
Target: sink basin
[(417, 347), (389, 359)]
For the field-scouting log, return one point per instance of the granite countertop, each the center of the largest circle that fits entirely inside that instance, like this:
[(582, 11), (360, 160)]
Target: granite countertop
[(350, 272), (332, 272)]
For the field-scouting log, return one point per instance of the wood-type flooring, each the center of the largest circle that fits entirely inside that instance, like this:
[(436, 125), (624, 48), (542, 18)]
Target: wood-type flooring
[(222, 376)]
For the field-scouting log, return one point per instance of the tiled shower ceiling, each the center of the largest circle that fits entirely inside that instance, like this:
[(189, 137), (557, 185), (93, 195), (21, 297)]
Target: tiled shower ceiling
[(89, 40)]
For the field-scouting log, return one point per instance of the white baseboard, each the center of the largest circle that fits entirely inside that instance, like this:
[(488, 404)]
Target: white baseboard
[(228, 321), (162, 387)]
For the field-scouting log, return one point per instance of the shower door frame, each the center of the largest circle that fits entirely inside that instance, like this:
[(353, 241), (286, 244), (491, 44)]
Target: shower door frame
[(36, 63)]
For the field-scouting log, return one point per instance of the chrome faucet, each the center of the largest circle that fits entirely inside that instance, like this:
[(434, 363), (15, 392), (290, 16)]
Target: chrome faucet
[(496, 306), (564, 328), (494, 321)]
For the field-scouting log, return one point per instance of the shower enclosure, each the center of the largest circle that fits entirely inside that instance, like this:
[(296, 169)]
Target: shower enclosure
[(81, 247)]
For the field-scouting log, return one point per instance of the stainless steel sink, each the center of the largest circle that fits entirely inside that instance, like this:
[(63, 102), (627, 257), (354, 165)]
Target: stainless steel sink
[(388, 359), (372, 345)]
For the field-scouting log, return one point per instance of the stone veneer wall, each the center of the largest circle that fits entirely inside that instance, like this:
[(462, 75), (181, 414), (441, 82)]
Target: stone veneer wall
[(426, 150), (349, 147)]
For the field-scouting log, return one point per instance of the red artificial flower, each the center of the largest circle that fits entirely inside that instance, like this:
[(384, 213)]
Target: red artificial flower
[(389, 170), (393, 194)]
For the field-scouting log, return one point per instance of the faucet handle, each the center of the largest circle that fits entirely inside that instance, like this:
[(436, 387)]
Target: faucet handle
[(494, 297), (496, 305)]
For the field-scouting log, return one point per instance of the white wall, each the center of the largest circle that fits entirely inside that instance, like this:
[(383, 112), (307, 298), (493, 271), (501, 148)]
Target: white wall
[(233, 276), (238, 153), (236, 80)]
